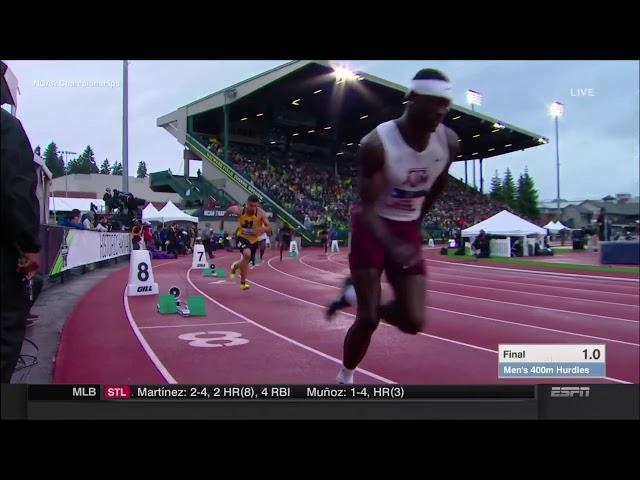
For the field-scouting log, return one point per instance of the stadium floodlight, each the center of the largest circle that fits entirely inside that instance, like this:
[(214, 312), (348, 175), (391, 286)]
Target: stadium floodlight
[(456, 118), (474, 98), (296, 102), (327, 128), (556, 109), (364, 116), (243, 119), (344, 74), (476, 135), (259, 114), (65, 153), (317, 91)]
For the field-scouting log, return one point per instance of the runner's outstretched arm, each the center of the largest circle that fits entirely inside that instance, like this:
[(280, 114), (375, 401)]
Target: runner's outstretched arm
[(232, 210)]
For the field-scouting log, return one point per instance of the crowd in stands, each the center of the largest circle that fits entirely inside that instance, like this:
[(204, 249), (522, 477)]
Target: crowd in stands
[(460, 207), (305, 186), (310, 190)]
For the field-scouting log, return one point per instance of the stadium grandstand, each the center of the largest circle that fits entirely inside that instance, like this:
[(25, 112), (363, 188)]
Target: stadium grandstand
[(289, 135)]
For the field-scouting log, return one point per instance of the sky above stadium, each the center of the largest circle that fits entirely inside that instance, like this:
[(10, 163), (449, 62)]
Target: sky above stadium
[(599, 133)]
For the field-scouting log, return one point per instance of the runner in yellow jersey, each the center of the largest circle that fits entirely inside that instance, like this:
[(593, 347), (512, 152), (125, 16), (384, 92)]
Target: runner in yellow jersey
[(252, 222)]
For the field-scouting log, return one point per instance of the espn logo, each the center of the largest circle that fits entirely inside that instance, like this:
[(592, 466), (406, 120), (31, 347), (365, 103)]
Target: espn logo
[(570, 391), (116, 391)]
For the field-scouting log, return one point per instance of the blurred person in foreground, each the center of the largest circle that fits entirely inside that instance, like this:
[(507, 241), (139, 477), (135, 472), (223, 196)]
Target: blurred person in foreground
[(20, 244)]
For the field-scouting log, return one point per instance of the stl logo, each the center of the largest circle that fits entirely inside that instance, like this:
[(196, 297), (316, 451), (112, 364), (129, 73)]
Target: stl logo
[(117, 391)]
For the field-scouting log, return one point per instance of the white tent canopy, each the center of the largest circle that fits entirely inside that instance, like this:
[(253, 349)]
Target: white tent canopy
[(150, 213), (171, 213), (555, 227), (504, 223)]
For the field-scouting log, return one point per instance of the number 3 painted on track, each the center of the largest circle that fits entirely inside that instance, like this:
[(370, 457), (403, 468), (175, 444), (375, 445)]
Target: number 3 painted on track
[(229, 339)]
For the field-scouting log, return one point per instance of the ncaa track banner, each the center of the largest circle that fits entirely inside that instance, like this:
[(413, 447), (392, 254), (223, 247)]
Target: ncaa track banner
[(82, 247), (220, 214)]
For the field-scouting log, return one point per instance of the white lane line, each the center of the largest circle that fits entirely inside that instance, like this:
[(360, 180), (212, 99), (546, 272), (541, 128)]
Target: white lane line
[(503, 290), (190, 325), (466, 314), (437, 272), (537, 272), (537, 307), (147, 348), (284, 337), (143, 342)]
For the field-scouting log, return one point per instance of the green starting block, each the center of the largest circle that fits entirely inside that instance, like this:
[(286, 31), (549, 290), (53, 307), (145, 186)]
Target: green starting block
[(167, 304), (219, 272), (196, 306), (293, 254)]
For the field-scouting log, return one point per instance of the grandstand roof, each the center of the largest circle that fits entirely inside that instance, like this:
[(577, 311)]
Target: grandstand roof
[(305, 96)]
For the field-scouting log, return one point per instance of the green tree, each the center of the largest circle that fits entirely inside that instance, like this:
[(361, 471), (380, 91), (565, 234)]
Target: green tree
[(105, 169), (52, 160), (142, 170), (75, 166), (528, 196), (496, 187), (116, 169), (509, 190), (87, 162)]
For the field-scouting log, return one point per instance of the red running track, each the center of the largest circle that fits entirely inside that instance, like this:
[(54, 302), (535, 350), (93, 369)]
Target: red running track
[(276, 332)]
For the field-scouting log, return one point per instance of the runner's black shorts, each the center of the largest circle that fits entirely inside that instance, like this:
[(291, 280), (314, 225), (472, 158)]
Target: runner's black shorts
[(242, 244)]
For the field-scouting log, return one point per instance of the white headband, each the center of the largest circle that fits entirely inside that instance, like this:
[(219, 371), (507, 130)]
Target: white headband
[(435, 88)]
